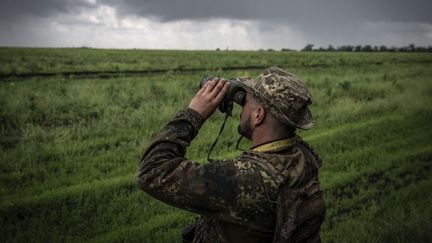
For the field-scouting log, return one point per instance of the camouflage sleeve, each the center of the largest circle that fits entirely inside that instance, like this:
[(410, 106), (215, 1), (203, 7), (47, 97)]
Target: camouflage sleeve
[(167, 175)]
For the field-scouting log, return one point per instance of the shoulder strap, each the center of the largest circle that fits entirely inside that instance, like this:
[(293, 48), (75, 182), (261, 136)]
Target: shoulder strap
[(309, 153), (258, 159)]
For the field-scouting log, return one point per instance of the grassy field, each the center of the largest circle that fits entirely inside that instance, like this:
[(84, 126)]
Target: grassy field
[(71, 141)]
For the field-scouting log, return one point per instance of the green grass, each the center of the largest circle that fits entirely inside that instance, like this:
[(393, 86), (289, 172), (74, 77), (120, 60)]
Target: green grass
[(54, 60), (70, 146)]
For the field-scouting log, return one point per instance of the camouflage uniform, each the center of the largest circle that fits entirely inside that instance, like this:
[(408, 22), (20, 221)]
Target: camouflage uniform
[(237, 198)]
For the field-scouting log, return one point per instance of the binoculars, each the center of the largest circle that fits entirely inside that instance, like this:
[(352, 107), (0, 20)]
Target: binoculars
[(235, 93)]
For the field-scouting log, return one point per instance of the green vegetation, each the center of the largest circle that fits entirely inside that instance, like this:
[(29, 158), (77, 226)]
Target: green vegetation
[(73, 62), (369, 48), (70, 145)]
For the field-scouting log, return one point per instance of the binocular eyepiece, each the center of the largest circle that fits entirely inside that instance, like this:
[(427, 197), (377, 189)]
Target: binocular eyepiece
[(235, 93)]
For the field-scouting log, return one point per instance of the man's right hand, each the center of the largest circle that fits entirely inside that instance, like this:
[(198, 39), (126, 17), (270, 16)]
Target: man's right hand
[(209, 97)]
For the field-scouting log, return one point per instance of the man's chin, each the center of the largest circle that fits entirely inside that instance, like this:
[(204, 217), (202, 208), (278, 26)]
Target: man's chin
[(244, 132)]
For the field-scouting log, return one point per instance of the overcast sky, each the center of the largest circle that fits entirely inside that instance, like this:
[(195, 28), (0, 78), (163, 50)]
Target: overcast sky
[(211, 24)]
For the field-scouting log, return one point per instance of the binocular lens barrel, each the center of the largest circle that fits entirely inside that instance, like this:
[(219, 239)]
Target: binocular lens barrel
[(236, 93), (239, 97)]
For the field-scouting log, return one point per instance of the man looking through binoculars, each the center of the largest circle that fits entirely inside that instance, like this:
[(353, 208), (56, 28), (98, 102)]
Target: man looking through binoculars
[(270, 193)]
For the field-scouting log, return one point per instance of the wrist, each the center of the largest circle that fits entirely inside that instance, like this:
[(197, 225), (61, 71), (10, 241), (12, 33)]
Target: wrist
[(198, 109), (196, 118)]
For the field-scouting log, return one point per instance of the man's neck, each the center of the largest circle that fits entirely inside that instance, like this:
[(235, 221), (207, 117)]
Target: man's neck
[(259, 137)]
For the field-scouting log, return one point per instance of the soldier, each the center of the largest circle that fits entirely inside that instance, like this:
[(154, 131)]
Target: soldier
[(270, 193)]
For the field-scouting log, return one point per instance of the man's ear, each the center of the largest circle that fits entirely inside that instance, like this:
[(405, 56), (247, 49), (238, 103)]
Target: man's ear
[(259, 116)]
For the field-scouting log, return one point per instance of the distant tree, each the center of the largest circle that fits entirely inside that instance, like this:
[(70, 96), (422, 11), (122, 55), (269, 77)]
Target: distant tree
[(345, 48), (383, 48), (393, 49), (287, 49), (358, 48), (217, 49), (420, 49), (330, 48), (403, 49), (367, 48), (308, 47)]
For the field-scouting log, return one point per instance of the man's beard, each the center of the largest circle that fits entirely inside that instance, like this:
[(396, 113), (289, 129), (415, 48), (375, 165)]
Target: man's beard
[(245, 130)]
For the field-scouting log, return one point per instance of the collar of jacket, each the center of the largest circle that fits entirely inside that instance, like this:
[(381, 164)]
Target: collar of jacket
[(275, 146)]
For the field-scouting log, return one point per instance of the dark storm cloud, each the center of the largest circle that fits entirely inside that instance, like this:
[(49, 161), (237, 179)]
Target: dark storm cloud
[(306, 13), (322, 22), (11, 10), (296, 11), (263, 24)]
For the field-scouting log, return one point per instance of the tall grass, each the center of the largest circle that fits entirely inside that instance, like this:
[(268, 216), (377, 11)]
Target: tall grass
[(70, 147)]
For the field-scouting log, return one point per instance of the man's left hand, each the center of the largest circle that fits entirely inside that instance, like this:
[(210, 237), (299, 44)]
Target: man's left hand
[(209, 97)]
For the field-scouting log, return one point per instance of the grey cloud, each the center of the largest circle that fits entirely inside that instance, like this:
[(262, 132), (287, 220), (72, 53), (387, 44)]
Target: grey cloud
[(321, 22), (305, 13), (294, 11), (11, 10)]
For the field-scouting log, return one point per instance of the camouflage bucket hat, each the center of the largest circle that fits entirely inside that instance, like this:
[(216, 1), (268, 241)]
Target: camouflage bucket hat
[(283, 94)]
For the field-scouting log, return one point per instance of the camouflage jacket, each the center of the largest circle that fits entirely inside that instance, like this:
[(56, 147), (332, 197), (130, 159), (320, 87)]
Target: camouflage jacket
[(236, 198)]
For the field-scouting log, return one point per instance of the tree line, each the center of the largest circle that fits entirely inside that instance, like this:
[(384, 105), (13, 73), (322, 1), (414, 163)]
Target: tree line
[(369, 48)]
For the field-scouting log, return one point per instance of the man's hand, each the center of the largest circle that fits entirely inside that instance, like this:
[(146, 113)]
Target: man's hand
[(209, 97)]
